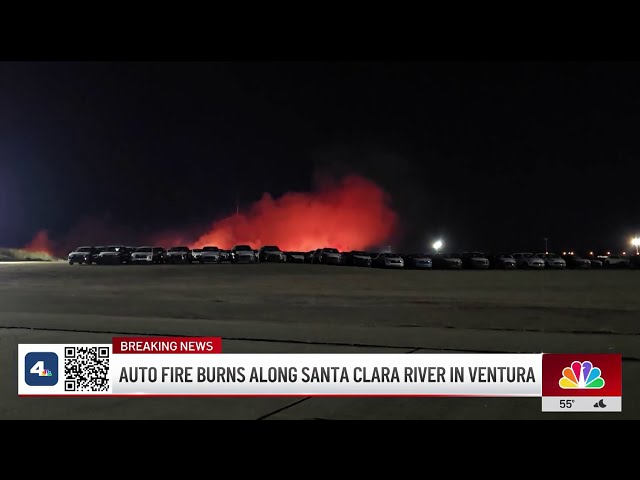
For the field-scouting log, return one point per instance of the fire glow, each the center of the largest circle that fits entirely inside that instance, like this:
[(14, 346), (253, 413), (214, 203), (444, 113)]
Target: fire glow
[(351, 214)]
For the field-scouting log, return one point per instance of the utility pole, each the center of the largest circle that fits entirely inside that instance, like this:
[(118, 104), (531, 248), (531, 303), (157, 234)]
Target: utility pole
[(546, 246)]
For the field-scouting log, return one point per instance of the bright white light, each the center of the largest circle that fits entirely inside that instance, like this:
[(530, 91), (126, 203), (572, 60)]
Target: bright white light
[(437, 245), (635, 241)]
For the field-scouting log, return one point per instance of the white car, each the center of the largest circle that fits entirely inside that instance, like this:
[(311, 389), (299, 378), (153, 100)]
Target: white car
[(528, 260), (552, 260), (615, 261), (210, 254), (149, 254)]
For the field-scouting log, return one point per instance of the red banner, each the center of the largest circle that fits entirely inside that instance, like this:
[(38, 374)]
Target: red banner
[(164, 345), (582, 375)]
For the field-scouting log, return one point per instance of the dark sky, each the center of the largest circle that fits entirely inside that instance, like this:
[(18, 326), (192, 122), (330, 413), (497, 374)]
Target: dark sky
[(492, 156)]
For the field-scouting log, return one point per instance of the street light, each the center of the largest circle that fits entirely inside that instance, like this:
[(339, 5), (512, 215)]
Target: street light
[(437, 245), (635, 241)]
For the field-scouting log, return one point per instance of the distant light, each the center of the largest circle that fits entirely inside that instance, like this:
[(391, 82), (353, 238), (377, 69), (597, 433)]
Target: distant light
[(564, 253), (546, 253), (624, 253), (608, 253), (590, 253), (570, 253), (635, 241), (437, 245)]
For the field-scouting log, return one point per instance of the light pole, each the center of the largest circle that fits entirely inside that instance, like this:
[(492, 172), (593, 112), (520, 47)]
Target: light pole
[(635, 241), (546, 246), (437, 245)]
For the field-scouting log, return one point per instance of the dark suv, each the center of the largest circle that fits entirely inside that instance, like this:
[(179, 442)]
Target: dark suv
[(86, 255), (114, 255), (243, 254), (271, 253), (475, 260), (356, 258), (179, 255), (327, 256)]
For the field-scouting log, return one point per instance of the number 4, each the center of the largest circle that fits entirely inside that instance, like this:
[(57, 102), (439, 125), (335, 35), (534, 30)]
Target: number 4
[(37, 367)]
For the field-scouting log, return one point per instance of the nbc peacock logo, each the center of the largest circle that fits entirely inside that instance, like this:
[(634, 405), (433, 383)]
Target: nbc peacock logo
[(581, 375)]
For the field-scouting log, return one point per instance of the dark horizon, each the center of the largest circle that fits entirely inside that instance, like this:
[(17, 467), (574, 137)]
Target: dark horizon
[(488, 156)]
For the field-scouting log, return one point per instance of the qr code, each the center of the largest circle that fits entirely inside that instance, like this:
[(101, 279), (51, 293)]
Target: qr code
[(86, 369)]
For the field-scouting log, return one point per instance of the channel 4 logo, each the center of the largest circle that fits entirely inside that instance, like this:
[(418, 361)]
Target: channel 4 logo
[(41, 369)]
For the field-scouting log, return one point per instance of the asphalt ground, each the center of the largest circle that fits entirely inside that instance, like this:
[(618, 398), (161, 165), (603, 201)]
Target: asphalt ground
[(287, 308)]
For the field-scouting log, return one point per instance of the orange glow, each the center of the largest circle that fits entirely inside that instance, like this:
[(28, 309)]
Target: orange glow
[(40, 243), (351, 214)]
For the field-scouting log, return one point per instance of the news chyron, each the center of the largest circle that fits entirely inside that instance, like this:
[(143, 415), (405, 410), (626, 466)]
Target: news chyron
[(178, 366)]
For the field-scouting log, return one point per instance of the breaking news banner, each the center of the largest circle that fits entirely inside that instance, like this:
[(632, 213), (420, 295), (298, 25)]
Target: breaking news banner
[(179, 366)]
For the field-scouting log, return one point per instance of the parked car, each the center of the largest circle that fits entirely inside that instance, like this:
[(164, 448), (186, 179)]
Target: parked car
[(418, 260), (308, 256), (271, 253), (388, 260), (114, 255), (86, 255), (225, 255), (243, 254), (179, 254), (327, 256), (596, 263), (528, 260), (195, 254), (576, 261), (475, 260), (552, 260), (615, 261), (210, 254), (148, 254), (356, 258), (446, 261), (295, 257), (503, 261)]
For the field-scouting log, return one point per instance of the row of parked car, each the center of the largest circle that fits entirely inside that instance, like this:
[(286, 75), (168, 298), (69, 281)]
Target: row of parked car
[(119, 254)]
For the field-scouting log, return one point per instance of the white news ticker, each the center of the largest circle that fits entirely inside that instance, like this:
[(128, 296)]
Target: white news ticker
[(482, 375)]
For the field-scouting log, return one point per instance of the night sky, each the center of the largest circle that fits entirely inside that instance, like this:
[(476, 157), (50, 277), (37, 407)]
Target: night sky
[(490, 156)]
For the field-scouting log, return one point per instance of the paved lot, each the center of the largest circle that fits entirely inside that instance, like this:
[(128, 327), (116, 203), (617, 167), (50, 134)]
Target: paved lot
[(323, 309)]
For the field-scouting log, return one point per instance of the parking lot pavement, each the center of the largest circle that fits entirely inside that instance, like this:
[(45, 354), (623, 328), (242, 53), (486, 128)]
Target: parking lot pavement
[(309, 308)]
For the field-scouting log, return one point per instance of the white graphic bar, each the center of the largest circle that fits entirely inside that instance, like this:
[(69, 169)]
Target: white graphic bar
[(482, 375)]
